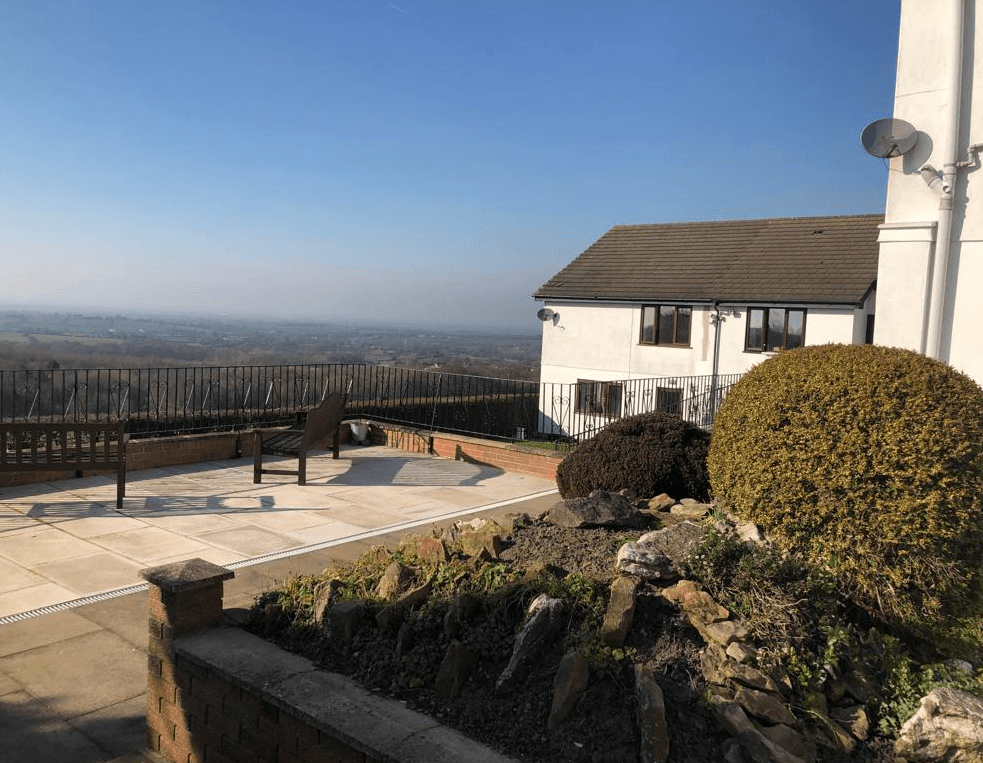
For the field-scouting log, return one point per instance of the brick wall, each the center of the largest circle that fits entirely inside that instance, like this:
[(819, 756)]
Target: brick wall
[(193, 449), (512, 457), (221, 695), (156, 452)]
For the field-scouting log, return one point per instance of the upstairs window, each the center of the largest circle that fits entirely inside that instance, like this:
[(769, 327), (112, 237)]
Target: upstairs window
[(599, 398), (770, 329), (666, 325)]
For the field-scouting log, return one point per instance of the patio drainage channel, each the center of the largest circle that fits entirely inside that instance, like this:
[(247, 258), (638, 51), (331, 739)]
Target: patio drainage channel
[(272, 557)]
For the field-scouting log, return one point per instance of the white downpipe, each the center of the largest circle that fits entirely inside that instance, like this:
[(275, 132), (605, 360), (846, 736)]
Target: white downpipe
[(940, 264)]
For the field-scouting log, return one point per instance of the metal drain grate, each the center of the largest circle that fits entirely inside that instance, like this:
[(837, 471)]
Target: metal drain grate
[(275, 556)]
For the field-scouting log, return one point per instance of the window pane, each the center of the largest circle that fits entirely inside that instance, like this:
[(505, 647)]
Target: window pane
[(755, 322), (648, 325), (585, 396), (683, 319), (667, 324), (796, 324), (669, 400), (613, 400), (776, 329)]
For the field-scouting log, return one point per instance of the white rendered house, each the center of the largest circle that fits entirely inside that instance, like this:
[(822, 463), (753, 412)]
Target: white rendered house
[(930, 274), (706, 299)]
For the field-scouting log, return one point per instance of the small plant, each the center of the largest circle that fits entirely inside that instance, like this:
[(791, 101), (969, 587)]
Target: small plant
[(904, 682), (783, 600), (648, 454)]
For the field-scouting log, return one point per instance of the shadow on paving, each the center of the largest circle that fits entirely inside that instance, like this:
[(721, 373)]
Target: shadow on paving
[(30, 734)]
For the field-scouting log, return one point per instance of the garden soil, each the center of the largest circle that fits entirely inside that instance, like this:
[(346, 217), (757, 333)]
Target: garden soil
[(402, 663)]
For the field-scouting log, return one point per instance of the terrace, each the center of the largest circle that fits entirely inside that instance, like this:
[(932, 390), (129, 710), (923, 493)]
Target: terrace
[(73, 608), (72, 604)]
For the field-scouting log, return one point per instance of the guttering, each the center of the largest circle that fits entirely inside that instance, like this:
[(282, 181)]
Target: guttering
[(940, 264)]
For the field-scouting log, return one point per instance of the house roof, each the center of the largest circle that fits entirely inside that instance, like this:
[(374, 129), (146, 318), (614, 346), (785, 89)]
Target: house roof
[(827, 260)]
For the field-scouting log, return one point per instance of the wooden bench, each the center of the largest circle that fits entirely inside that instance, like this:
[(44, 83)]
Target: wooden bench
[(311, 433), (34, 447)]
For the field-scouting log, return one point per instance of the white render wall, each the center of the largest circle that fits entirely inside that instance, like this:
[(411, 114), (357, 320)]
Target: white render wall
[(926, 60), (600, 341)]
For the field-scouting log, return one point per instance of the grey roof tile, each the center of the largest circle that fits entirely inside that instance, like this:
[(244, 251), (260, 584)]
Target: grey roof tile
[(830, 260)]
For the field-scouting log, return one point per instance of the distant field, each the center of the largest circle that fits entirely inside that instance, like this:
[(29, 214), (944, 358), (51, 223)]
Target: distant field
[(13, 336)]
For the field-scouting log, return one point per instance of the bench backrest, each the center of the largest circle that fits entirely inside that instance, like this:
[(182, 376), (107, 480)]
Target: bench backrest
[(323, 420), (75, 444)]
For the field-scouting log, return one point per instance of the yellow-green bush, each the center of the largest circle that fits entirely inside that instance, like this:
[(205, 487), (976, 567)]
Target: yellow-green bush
[(869, 461)]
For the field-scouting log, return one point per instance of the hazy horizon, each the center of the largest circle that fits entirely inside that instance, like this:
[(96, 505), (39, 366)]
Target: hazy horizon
[(426, 161)]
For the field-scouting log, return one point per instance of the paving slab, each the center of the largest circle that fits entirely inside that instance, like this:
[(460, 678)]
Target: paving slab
[(8, 686), (118, 729), (29, 734), (13, 577), (147, 544), (251, 541), (33, 633), (91, 574), (44, 544), (27, 598), (76, 676), (126, 616)]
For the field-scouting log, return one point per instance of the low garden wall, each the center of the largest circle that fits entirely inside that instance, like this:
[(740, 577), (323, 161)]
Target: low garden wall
[(512, 457), (221, 695), (160, 452)]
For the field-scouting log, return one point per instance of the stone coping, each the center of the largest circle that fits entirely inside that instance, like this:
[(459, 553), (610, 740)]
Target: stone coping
[(384, 729)]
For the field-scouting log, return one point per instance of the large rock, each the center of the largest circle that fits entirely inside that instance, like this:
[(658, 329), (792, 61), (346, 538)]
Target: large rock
[(661, 555), (647, 563), (393, 581), (432, 550), (650, 708), (661, 502), (479, 537), (345, 618), (719, 669), (948, 727), (454, 670), (599, 509), (568, 686), (462, 606), (705, 614), (620, 611), (763, 748), (324, 593), (396, 612), (690, 509), (547, 618)]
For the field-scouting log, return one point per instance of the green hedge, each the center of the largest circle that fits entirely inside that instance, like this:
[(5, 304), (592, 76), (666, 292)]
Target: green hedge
[(868, 460)]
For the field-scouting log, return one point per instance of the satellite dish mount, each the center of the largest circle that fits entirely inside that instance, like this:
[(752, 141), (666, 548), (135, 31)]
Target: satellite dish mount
[(888, 138)]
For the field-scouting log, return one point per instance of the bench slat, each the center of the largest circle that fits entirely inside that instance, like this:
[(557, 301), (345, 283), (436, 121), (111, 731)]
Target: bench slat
[(31, 446), (322, 422)]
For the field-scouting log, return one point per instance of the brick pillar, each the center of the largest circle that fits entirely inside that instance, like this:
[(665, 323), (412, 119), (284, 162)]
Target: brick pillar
[(184, 597)]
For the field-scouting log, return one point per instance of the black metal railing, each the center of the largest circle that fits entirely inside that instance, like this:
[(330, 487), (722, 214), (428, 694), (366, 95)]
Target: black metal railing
[(578, 411), (165, 401)]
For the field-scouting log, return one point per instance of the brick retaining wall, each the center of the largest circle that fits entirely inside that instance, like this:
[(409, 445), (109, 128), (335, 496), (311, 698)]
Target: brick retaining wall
[(512, 457), (221, 695), (159, 452)]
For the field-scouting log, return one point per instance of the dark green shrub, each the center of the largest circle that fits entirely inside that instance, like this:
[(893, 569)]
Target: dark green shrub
[(649, 454), (868, 460)]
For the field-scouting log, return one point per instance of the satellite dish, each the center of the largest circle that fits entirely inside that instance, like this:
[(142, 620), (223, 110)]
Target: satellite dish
[(887, 138), (545, 314)]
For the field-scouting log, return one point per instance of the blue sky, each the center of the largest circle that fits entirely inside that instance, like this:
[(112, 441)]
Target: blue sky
[(416, 161)]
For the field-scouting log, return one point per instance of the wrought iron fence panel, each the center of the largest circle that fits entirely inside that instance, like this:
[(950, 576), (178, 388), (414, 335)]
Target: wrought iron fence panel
[(160, 401)]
